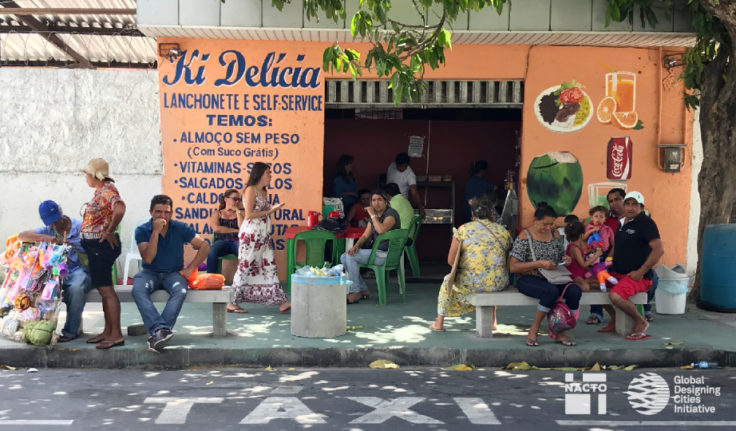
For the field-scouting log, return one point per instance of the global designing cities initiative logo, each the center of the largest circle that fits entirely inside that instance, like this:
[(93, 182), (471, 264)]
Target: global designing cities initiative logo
[(648, 394)]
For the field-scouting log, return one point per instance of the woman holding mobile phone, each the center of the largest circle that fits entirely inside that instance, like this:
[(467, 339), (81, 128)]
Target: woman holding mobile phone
[(257, 279)]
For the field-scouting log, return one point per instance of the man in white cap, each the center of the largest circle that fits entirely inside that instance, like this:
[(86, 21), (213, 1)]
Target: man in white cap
[(638, 248)]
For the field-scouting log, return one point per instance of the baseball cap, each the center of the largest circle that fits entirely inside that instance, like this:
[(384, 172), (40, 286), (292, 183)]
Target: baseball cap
[(636, 196), (49, 212), (98, 168)]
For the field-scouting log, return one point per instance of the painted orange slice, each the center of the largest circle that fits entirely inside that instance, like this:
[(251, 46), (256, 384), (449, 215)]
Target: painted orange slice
[(606, 109), (625, 120)]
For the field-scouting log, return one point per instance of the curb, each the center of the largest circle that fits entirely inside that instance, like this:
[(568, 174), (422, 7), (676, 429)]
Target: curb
[(177, 359)]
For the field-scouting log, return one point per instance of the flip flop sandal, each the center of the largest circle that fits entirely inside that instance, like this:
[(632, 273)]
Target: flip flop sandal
[(285, 311), (566, 342), (607, 329), (238, 310), (108, 345), (638, 336), (532, 343), (95, 340), (64, 339), (351, 303), (435, 329), (365, 297), (591, 320), (649, 318)]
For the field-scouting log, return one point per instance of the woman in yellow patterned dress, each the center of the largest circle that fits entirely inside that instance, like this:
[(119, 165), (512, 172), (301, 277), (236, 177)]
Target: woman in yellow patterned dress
[(483, 246)]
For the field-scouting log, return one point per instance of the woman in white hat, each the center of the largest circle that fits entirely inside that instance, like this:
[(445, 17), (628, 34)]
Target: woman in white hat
[(102, 216)]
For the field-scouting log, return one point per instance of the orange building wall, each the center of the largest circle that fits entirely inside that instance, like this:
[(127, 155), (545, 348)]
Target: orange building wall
[(667, 196), (540, 67)]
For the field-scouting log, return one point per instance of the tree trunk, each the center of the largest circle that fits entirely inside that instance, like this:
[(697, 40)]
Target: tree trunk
[(717, 182)]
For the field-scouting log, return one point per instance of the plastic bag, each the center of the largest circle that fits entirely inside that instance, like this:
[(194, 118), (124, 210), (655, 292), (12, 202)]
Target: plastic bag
[(673, 280), (332, 225), (510, 210), (206, 281)]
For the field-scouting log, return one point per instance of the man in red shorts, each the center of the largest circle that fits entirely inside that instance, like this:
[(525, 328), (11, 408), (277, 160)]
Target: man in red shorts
[(638, 249)]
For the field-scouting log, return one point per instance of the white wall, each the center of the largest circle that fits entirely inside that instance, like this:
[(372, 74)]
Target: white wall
[(692, 234), (52, 121)]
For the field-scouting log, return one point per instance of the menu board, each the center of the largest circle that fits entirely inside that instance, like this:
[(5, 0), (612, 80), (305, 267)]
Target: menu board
[(226, 104)]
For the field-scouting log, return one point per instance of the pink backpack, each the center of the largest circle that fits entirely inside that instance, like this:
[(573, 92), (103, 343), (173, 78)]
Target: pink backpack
[(560, 317)]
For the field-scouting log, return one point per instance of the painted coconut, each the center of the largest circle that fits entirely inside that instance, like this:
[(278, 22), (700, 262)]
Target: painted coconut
[(557, 179)]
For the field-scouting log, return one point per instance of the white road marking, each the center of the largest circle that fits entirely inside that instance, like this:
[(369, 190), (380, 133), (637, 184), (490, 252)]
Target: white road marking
[(177, 409), (34, 422), (282, 408), (386, 409), (287, 390), (610, 423), (477, 411)]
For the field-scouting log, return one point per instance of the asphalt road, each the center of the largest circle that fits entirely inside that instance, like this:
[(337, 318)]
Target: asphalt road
[(365, 399)]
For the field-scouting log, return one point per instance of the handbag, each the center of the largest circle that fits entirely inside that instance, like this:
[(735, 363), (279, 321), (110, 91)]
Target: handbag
[(560, 317), (559, 275), (453, 272)]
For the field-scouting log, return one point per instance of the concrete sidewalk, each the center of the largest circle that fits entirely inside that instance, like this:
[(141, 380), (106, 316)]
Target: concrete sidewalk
[(399, 332)]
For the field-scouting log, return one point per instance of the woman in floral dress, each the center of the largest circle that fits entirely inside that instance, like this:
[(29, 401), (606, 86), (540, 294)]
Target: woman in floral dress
[(256, 279), (483, 246)]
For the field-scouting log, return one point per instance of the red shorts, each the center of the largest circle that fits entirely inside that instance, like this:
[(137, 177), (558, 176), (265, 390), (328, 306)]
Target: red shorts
[(626, 287)]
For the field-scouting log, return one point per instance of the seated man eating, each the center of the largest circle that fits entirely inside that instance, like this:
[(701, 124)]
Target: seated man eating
[(161, 244), (75, 286), (638, 249)]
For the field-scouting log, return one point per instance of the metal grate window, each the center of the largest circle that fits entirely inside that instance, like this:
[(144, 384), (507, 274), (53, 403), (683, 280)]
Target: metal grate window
[(346, 93)]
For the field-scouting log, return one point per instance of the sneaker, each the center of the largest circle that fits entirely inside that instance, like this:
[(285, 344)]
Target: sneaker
[(151, 342), (159, 339)]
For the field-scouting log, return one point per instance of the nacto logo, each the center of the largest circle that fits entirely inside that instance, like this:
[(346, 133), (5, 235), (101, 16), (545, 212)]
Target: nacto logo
[(579, 395)]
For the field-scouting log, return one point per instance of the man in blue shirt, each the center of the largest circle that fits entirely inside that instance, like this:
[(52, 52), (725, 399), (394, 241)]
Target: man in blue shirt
[(74, 286), (161, 244)]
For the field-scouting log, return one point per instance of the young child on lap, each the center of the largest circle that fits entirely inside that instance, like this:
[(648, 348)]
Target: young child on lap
[(575, 234)]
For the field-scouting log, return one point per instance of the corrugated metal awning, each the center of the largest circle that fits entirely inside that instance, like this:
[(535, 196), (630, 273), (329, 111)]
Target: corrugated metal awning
[(560, 38), (105, 40)]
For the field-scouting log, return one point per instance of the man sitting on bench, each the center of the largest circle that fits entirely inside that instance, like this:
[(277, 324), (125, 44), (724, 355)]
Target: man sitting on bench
[(161, 244), (638, 249)]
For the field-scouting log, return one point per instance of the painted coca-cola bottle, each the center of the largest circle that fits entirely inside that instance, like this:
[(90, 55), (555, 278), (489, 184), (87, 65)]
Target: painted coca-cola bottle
[(619, 155)]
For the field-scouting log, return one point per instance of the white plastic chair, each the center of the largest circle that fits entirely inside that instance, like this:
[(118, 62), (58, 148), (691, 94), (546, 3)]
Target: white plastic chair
[(133, 254)]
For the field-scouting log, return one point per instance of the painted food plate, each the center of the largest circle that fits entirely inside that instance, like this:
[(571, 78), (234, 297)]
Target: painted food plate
[(564, 108)]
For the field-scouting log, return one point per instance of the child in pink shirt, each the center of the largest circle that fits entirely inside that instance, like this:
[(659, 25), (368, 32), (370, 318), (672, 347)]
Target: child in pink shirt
[(598, 225), (580, 263), (603, 241)]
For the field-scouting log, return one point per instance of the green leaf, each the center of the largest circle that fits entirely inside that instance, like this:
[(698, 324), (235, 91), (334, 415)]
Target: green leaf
[(615, 12), (639, 126), (565, 86), (354, 24)]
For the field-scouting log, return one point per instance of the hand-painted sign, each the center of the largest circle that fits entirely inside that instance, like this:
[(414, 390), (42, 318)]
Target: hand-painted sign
[(619, 158), (226, 104)]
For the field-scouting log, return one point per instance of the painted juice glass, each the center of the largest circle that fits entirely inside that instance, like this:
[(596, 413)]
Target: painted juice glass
[(622, 87), (598, 193)]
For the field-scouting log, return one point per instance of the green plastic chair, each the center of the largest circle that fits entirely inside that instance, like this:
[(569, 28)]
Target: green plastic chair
[(411, 250), (315, 242), (226, 257), (397, 240)]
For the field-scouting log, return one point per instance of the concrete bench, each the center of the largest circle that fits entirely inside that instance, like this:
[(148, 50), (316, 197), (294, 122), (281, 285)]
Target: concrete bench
[(218, 298), (512, 297)]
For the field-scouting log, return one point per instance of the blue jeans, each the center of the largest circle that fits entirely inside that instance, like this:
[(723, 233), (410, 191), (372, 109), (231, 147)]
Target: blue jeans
[(145, 283), (360, 258), (219, 249), (74, 291), (597, 310), (548, 293)]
